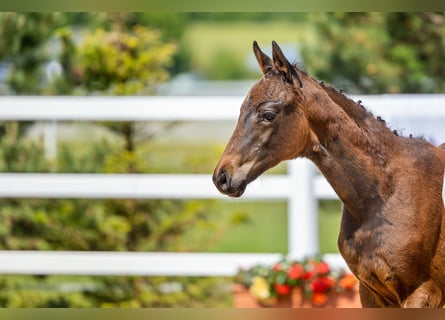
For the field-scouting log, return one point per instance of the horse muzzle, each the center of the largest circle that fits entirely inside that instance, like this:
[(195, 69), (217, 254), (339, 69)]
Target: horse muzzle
[(227, 184)]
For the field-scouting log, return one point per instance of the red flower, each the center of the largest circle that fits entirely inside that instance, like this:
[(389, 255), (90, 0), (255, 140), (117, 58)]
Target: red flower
[(322, 284), (322, 268), (295, 272), (308, 274), (282, 289)]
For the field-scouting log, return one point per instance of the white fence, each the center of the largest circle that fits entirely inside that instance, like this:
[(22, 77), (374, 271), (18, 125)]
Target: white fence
[(301, 187)]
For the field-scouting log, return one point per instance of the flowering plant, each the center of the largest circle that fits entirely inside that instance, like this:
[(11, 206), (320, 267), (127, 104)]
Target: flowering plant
[(313, 276)]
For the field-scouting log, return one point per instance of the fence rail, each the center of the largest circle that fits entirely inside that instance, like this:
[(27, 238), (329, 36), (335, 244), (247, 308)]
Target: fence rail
[(301, 187), (144, 186), (127, 108), (136, 263)]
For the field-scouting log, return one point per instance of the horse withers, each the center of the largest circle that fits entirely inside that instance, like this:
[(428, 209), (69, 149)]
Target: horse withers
[(392, 233)]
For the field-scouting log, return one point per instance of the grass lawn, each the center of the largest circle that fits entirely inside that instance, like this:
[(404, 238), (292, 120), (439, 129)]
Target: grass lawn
[(329, 215), (207, 41), (265, 229)]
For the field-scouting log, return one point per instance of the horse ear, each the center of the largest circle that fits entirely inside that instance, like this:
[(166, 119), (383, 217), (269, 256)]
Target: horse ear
[(263, 59), (283, 65)]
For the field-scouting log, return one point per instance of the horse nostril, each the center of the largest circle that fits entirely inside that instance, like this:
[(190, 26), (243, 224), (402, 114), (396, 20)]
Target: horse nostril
[(223, 179)]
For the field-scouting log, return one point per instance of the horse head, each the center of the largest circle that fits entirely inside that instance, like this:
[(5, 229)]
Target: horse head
[(272, 126)]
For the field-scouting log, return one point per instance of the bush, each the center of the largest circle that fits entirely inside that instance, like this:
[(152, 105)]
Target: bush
[(373, 53)]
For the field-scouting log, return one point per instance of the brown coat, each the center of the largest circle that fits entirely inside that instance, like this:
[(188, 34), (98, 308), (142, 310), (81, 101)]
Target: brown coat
[(392, 233)]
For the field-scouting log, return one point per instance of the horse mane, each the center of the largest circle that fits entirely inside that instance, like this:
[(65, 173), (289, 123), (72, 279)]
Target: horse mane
[(357, 111), (354, 109), (377, 139), (360, 114)]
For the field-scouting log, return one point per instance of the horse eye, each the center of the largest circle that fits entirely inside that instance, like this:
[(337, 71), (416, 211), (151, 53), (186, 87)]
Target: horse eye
[(269, 115)]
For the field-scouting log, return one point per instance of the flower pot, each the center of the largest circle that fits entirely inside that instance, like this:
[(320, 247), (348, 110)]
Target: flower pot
[(347, 299)]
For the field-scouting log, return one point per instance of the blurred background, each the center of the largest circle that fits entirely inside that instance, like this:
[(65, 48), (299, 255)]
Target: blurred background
[(174, 54)]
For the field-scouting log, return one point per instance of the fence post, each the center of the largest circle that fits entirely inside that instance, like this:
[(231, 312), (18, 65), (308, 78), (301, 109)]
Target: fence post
[(302, 211)]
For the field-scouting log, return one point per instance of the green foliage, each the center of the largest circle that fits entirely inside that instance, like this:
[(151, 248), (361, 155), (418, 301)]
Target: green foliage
[(115, 62), (17, 155), (379, 52), (35, 291), (87, 158), (124, 62), (262, 17), (164, 292), (22, 39), (27, 43), (173, 26)]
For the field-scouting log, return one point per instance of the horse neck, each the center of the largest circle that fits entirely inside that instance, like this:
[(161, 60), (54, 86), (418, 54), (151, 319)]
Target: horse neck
[(351, 153)]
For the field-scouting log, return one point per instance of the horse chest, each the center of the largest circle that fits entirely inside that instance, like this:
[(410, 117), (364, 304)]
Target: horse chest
[(357, 242), (359, 250), (377, 255), (365, 259)]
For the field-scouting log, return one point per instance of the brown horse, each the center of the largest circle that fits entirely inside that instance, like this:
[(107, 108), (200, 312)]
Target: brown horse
[(392, 233)]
